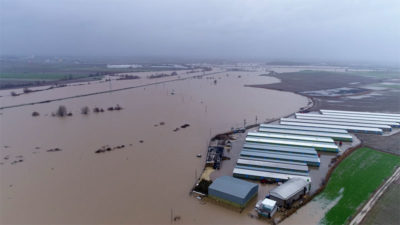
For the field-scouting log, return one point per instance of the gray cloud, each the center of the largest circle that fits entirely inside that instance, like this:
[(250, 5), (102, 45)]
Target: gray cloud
[(234, 29)]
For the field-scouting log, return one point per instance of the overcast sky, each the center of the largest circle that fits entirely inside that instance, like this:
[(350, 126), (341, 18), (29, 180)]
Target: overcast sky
[(233, 29)]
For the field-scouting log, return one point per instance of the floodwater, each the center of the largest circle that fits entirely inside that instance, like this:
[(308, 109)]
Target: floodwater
[(147, 181)]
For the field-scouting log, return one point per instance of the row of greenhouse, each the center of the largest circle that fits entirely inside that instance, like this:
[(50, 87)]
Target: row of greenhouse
[(285, 150)]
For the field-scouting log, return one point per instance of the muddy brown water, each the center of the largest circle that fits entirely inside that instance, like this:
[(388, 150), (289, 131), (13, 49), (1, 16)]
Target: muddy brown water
[(141, 183)]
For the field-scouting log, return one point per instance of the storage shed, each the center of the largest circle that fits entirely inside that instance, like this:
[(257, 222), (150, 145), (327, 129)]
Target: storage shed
[(232, 191), (290, 191)]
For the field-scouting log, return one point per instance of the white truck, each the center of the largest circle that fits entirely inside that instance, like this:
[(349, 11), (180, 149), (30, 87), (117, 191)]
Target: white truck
[(266, 207)]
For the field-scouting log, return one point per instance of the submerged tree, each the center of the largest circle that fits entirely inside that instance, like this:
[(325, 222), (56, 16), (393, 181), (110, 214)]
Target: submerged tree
[(85, 110), (61, 111)]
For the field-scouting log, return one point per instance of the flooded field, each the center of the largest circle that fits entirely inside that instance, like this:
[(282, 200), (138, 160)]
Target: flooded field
[(146, 181)]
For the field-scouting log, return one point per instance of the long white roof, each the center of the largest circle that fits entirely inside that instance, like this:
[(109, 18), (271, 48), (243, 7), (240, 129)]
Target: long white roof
[(366, 129), (291, 136), (280, 148), (361, 113), (349, 120), (363, 116), (311, 133), (264, 174), (273, 165), (352, 117), (282, 156), (318, 129), (316, 145), (336, 123)]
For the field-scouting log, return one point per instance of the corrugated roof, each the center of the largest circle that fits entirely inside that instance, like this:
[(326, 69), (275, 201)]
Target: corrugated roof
[(348, 120), (272, 170), (272, 165), (273, 160), (311, 133), (361, 113), (280, 148), (261, 174), (352, 117), (337, 123), (318, 129), (299, 158), (289, 188), (351, 128), (316, 145), (363, 116), (291, 137), (232, 186)]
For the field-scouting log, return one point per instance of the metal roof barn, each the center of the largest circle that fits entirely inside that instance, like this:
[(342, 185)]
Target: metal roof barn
[(273, 160), (349, 128), (361, 113), (272, 170), (354, 118), (349, 120), (291, 137), (334, 136), (261, 175), (272, 165), (233, 191), (289, 188), (383, 127), (365, 116), (280, 148), (316, 129), (289, 191), (319, 146), (309, 160)]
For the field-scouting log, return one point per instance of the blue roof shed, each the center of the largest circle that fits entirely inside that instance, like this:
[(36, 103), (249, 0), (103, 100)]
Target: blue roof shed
[(233, 191)]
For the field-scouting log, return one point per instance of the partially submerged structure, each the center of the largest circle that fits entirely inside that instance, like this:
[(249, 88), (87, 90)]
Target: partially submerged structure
[(232, 191), (266, 207), (290, 191)]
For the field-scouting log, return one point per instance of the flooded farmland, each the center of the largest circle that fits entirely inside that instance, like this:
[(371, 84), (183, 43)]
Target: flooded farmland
[(148, 179)]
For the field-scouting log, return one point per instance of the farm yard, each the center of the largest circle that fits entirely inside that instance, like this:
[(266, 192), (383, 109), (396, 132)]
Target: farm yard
[(354, 181)]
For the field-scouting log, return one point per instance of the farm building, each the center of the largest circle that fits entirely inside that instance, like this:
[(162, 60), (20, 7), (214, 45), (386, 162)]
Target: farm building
[(308, 159), (319, 146), (350, 118), (304, 128), (364, 116), (361, 113), (383, 127), (272, 166), (290, 191), (280, 148), (396, 118), (349, 128), (334, 136), (262, 175), (232, 191), (291, 137)]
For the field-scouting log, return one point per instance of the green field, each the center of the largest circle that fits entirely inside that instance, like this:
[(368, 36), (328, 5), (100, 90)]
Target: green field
[(355, 179)]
